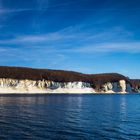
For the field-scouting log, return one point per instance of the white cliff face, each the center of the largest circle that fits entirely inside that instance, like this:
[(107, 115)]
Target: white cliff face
[(46, 86), (117, 87), (108, 87), (122, 84), (78, 85), (111, 87)]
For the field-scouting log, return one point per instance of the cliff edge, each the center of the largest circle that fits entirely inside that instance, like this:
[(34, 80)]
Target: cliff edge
[(29, 80)]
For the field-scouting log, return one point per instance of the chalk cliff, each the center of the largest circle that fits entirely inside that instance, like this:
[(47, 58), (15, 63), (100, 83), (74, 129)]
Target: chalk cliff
[(28, 80)]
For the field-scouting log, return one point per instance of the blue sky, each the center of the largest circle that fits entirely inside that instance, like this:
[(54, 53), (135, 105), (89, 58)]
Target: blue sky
[(89, 36)]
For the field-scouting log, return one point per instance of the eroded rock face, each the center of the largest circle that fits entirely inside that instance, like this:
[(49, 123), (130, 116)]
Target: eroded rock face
[(136, 89), (110, 87), (27, 85), (128, 88), (8, 82), (41, 84), (117, 87), (122, 84)]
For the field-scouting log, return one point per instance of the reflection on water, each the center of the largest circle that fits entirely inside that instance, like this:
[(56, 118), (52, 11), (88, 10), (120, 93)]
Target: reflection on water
[(123, 107), (69, 117)]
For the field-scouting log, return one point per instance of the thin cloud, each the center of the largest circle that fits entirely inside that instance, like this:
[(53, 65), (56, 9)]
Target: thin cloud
[(61, 35), (9, 11), (128, 47), (71, 33), (87, 42), (36, 38)]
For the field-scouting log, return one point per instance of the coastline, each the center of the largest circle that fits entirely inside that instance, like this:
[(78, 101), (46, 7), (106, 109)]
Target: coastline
[(27, 80), (56, 91)]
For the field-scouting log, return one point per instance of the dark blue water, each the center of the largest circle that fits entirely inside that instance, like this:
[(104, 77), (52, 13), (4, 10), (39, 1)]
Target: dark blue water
[(69, 117)]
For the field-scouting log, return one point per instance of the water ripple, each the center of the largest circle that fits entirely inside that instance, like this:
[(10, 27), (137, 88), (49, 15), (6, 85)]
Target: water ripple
[(70, 117)]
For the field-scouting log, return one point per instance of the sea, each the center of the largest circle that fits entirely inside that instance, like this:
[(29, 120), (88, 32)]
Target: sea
[(70, 117)]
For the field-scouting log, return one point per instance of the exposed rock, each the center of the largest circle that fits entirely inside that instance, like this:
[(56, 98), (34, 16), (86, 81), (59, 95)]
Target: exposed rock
[(49, 81), (122, 84)]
